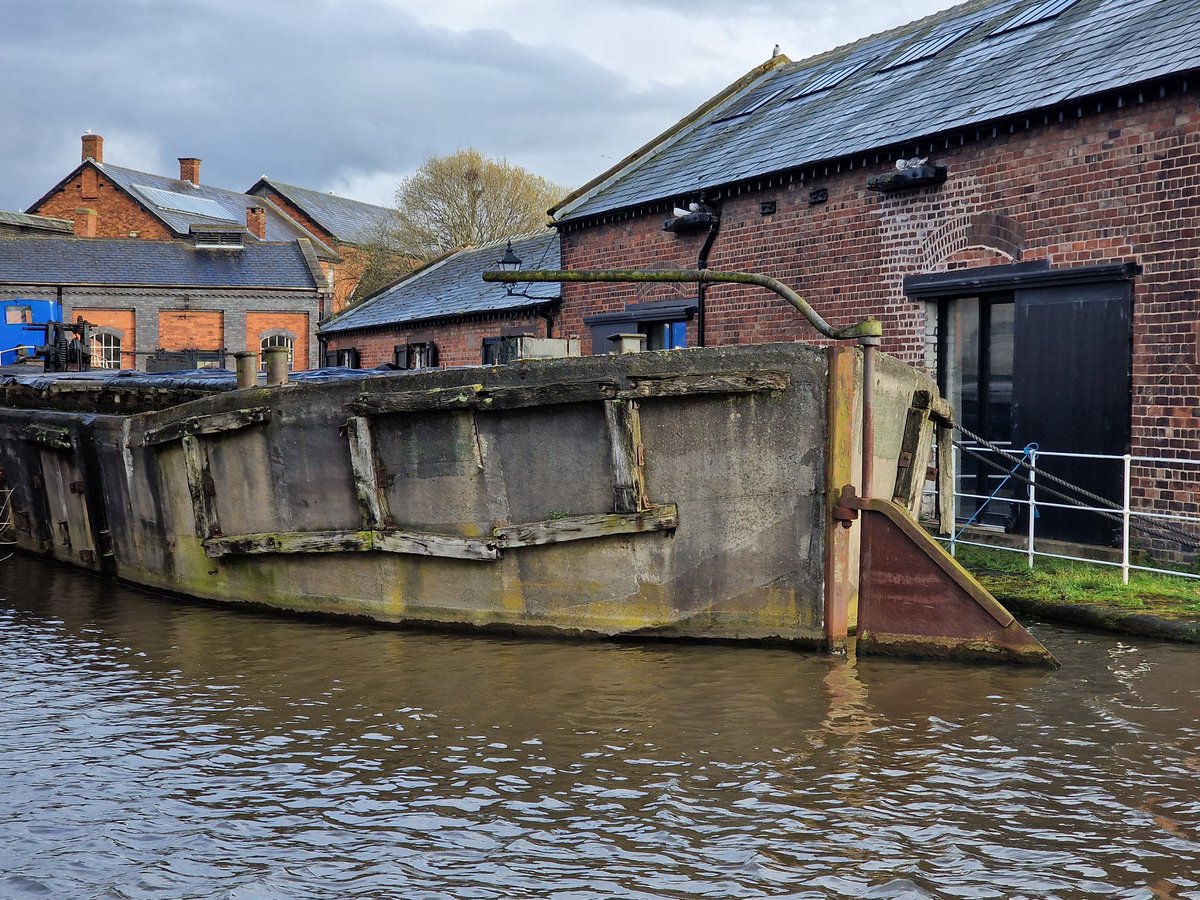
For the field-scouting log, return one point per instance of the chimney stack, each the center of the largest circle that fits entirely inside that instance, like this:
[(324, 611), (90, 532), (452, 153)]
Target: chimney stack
[(93, 147), (85, 222), (189, 169), (256, 221)]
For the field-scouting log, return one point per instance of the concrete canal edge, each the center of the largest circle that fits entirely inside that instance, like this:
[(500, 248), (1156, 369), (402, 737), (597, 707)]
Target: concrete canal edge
[(1106, 618)]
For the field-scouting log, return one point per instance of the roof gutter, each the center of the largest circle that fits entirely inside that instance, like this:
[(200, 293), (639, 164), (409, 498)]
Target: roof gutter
[(536, 307), (172, 286)]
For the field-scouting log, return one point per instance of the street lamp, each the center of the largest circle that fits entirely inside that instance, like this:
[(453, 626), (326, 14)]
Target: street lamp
[(509, 262)]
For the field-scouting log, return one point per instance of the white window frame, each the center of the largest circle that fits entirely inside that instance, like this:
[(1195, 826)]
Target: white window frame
[(106, 347), (277, 339)]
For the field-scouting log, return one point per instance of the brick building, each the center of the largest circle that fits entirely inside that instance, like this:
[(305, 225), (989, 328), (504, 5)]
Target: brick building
[(1009, 185), (444, 314), (110, 201), (163, 305), (350, 226)]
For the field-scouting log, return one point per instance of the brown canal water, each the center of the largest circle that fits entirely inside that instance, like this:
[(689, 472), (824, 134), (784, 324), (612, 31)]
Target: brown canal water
[(155, 748)]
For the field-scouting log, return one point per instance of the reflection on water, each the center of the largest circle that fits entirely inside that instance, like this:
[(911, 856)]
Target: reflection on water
[(151, 747)]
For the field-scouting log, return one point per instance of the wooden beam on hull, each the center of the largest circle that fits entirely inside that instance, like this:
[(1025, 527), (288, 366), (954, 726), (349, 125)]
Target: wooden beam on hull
[(448, 546), (210, 424), (364, 463), (627, 454), (48, 436), (477, 396), (201, 487), (577, 528), (415, 543)]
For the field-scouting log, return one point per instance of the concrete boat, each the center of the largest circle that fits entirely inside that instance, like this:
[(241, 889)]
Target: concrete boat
[(702, 493)]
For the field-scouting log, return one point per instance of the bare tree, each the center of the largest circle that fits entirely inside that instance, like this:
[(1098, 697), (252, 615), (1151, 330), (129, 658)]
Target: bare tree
[(464, 199)]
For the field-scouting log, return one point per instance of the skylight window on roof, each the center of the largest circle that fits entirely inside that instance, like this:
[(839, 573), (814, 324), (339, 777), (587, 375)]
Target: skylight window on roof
[(828, 79), (748, 104), (930, 46), (1039, 12), (185, 203)]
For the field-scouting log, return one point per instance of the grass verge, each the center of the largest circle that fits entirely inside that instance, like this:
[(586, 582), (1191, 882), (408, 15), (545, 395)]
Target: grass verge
[(1007, 575)]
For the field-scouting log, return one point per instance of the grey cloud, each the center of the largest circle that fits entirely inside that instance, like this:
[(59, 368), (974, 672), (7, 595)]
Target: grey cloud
[(306, 92)]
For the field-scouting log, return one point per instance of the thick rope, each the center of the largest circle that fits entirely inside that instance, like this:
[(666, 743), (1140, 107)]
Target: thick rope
[(1166, 532)]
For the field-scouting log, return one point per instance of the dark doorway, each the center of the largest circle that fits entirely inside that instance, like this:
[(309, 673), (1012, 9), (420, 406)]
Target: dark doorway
[(976, 376), (1029, 354), (1071, 393)]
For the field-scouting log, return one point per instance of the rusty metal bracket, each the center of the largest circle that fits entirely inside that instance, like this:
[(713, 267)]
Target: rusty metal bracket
[(845, 511)]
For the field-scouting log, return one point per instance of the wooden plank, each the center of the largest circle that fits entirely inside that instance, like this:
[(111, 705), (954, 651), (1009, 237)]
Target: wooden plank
[(841, 556), (723, 383), (201, 487), (415, 543), (914, 457), (945, 479), (293, 542), (476, 396), (365, 465), (576, 528), (627, 455), (48, 436), (444, 545), (523, 396), (464, 397), (210, 424)]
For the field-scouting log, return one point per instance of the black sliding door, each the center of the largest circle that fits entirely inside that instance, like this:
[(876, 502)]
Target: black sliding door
[(1071, 392)]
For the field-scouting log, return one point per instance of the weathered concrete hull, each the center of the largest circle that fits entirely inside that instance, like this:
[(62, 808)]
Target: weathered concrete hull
[(685, 494)]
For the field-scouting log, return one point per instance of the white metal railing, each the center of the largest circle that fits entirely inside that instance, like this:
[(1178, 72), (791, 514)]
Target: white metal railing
[(1124, 512)]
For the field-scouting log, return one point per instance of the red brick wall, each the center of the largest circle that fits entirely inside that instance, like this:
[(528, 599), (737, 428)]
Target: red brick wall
[(117, 216), (119, 320), (1119, 185), (295, 325), (191, 330), (459, 343), (347, 273)]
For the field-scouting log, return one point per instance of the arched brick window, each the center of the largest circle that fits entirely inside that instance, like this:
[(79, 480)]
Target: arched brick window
[(277, 339), (106, 348)]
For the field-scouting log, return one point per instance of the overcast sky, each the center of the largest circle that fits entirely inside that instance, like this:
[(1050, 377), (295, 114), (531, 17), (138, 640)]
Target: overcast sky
[(350, 96)]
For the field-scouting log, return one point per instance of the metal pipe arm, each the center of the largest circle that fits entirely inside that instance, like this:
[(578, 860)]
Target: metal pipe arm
[(868, 327)]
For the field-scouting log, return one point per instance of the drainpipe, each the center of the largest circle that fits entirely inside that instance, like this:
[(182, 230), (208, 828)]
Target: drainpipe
[(701, 288), (543, 313)]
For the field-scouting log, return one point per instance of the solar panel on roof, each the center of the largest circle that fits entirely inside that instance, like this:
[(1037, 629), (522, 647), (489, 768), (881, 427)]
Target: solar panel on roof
[(748, 105), (185, 203), (829, 78), (930, 46), (1039, 12)]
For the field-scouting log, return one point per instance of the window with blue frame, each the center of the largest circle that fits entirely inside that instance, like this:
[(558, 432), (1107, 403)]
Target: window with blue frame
[(663, 322), (665, 335)]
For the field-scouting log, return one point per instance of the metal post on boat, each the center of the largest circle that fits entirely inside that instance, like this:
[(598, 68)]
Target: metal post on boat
[(276, 365), (247, 368)]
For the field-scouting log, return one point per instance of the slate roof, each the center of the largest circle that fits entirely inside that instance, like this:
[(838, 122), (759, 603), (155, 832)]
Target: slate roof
[(350, 221), (279, 227), (990, 72), (453, 286), (39, 223), (132, 263)]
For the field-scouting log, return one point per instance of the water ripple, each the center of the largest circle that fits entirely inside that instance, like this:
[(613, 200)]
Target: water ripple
[(152, 748)]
